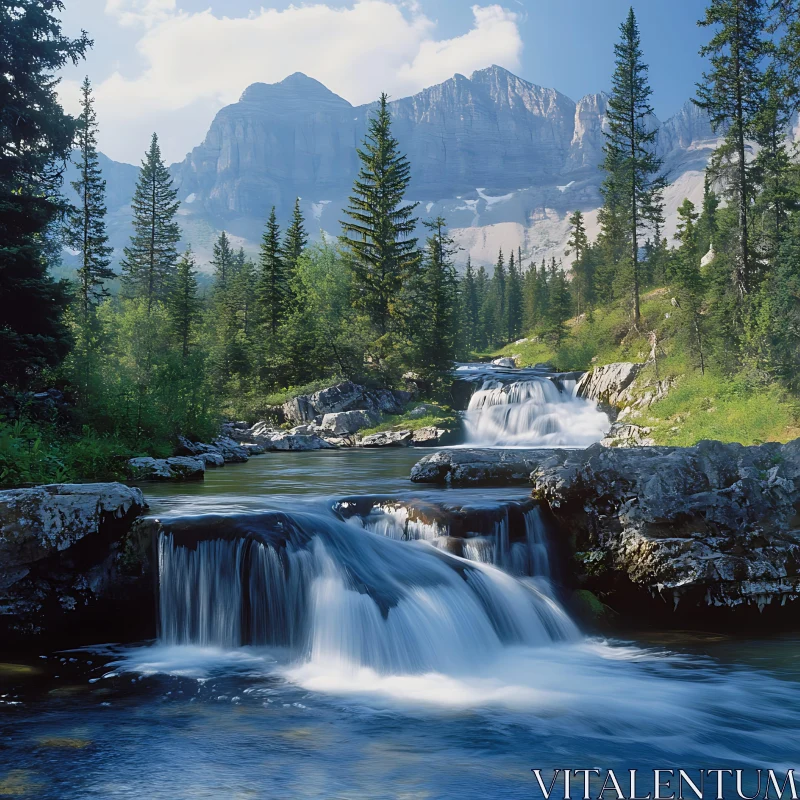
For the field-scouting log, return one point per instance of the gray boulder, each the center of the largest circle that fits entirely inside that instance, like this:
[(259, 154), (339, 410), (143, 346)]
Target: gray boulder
[(345, 422), (232, 451), (624, 434), (387, 439), (63, 551), (211, 460), (342, 397), (474, 467), (291, 442), (703, 527), (607, 384), (510, 363), (177, 468), (428, 437)]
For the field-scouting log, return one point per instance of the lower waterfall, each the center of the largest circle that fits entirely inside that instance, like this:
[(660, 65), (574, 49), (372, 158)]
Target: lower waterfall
[(532, 411), (337, 594)]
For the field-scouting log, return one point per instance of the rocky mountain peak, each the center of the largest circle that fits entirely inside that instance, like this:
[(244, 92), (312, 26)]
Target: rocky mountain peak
[(297, 87)]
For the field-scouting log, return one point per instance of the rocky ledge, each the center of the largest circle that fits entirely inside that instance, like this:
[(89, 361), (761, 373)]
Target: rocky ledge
[(473, 467), (698, 530), (69, 567)]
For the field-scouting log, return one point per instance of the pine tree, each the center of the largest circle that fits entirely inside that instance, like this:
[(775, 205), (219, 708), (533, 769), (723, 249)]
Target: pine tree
[(379, 232), (36, 137), (733, 93), (687, 279), (632, 187), (183, 303), (437, 329), (498, 293), (483, 335), (470, 310), (224, 261), (149, 264), (273, 283), (86, 226), (582, 272), (558, 303), (295, 242), (513, 300)]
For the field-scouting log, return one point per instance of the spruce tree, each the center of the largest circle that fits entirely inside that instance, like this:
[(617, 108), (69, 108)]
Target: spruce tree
[(578, 247), (86, 225), (558, 303), (687, 280), (437, 329), (482, 335), (223, 260), (36, 137), (295, 241), (498, 292), (470, 310), (632, 188), (149, 263), (733, 94), (513, 300), (183, 303), (378, 234), (273, 284)]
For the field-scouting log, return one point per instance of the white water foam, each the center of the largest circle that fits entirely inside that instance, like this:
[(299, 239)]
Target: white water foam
[(532, 413)]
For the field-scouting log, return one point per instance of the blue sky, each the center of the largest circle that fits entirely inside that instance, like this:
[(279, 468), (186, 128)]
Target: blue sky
[(169, 65)]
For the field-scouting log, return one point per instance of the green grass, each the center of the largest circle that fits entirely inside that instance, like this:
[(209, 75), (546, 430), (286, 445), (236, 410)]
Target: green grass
[(438, 416), (735, 408)]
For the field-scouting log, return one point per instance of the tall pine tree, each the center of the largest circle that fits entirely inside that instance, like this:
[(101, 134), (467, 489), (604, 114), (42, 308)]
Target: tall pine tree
[(36, 137), (273, 283), (732, 93), (632, 185), (183, 303), (378, 233), (86, 225), (149, 263)]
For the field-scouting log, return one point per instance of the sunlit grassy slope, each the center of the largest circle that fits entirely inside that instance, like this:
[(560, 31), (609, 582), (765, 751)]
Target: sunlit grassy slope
[(737, 408)]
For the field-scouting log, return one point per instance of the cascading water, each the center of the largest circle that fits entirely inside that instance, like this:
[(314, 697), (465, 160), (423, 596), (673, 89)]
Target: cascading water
[(531, 410), (339, 595)]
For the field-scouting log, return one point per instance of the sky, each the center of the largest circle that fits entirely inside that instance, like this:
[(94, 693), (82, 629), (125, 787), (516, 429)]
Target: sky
[(169, 65)]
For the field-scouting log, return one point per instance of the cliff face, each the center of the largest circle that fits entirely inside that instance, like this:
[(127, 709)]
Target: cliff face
[(503, 160)]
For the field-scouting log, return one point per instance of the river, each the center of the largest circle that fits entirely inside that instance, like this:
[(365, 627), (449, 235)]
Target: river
[(304, 653)]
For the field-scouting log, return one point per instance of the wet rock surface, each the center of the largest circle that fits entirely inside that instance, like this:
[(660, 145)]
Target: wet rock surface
[(689, 534), (177, 468), (465, 467), (68, 563)]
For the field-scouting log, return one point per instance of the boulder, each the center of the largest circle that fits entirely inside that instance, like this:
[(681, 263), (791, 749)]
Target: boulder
[(428, 437), (507, 362), (62, 555), (232, 452), (211, 460), (254, 449), (707, 528), (346, 396), (473, 467), (387, 439), (343, 423), (287, 441), (606, 384), (628, 435), (177, 468)]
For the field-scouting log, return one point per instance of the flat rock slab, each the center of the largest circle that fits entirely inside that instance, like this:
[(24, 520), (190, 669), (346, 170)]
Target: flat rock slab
[(490, 467)]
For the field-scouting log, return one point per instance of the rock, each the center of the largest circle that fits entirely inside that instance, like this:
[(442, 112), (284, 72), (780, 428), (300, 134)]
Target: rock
[(428, 437), (422, 410), (254, 449), (263, 429), (303, 430), (387, 439), (485, 467), (62, 550), (628, 435), (177, 468), (344, 397), (606, 384), (288, 441), (505, 362), (232, 452), (708, 527), (345, 422), (186, 447), (211, 460)]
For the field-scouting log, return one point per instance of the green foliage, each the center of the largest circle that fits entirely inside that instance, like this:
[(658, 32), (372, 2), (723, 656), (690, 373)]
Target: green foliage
[(436, 416), (149, 264), (378, 235), (35, 140)]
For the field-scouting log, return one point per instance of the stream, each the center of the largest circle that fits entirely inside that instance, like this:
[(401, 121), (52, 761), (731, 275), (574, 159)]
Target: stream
[(315, 648)]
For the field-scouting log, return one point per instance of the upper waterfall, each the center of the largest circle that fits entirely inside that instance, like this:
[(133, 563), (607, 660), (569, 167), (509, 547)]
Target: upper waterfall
[(529, 408)]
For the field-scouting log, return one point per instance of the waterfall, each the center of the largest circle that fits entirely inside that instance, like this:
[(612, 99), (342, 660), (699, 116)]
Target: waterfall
[(534, 412), (337, 594)]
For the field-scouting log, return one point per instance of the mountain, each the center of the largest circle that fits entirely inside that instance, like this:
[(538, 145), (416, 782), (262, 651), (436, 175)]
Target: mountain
[(505, 161)]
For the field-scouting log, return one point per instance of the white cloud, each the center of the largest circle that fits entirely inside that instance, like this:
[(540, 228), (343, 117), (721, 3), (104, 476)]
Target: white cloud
[(194, 63)]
